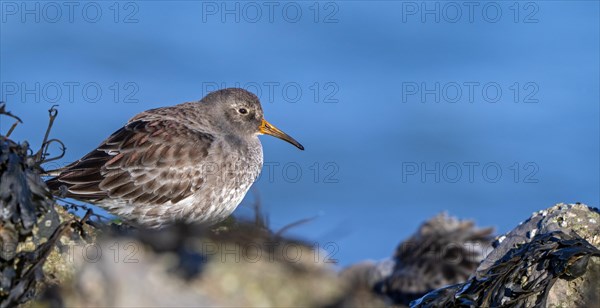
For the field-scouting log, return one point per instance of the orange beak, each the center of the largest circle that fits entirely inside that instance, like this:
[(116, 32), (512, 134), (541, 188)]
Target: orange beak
[(268, 129)]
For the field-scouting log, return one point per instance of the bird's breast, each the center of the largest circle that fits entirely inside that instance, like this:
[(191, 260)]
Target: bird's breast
[(229, 172)]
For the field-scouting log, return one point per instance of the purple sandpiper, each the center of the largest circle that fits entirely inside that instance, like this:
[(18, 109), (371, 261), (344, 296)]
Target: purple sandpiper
[(193, 162)]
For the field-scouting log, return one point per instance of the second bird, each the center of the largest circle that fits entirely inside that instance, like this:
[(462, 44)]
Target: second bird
[(193, 162)]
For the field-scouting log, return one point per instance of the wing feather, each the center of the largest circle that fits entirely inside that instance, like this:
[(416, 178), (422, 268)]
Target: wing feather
[(146, 161)]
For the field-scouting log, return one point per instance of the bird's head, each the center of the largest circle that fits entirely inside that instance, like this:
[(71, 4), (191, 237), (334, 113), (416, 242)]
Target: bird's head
[(241, 112)]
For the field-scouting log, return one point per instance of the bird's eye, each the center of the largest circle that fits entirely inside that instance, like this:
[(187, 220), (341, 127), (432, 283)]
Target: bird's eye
[(243, 110)]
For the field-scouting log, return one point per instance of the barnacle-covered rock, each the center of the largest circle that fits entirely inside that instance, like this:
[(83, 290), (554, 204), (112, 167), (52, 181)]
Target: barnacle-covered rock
[(550, 260), (31, 227)]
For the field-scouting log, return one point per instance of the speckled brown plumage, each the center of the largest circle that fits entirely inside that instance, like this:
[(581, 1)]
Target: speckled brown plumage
[(192, 162)]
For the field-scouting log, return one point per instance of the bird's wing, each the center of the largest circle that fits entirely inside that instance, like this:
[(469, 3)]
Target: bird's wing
[(147, 161)]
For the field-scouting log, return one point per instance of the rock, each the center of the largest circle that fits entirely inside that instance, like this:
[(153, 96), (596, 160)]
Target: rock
[(241, 265), (31, 228), (444, 250), (550, 260)]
